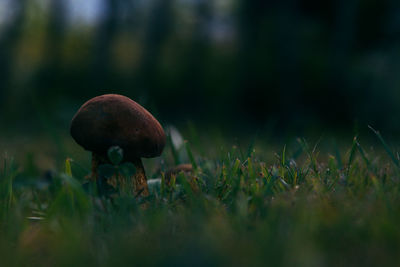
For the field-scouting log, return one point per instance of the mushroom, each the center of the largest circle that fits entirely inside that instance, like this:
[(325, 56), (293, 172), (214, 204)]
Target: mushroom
[(188, 171), (115, 120), (185, 168)]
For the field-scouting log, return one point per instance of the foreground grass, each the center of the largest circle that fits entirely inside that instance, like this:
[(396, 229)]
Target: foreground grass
[(302, 208)]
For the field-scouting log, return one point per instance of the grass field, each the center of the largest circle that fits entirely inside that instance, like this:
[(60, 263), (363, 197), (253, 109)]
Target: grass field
[(245, 205)]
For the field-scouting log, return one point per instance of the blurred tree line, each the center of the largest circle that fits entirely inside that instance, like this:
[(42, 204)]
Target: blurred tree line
[(286, 63)]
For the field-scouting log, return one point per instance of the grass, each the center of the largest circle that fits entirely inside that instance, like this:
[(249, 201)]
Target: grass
[(304, 207)]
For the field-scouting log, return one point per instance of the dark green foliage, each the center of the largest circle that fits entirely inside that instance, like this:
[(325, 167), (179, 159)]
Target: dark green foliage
[(281, 65), (117, 170), (8, 173), (115, 155)]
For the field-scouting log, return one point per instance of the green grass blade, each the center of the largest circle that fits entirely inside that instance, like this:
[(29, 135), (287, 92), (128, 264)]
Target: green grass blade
[(190, 155), (386, 147), (250, 149), (173, 150), (68, 169), (363, 154), (303, 143), (338, 156), (352, 152), (351, 156), (284, 155)]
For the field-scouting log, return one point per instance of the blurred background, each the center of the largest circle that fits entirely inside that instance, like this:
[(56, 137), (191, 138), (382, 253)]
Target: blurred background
[(285, 66)]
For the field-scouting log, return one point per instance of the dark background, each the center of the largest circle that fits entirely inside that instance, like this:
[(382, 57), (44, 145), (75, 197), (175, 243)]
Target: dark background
[(284, 65)]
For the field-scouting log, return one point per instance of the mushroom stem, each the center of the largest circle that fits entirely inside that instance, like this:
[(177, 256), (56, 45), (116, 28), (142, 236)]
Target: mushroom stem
[(96, 161), (139, 180)]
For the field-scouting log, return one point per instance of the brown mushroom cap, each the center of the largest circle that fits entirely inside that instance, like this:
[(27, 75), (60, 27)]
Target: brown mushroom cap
[(116, 120)]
